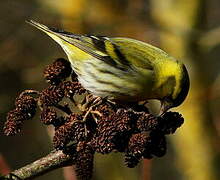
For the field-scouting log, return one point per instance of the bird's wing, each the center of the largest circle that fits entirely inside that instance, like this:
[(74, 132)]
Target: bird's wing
[(122, 52)]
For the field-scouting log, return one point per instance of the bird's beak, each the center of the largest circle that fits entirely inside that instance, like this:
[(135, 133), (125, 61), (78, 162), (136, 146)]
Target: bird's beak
[(165, 106)]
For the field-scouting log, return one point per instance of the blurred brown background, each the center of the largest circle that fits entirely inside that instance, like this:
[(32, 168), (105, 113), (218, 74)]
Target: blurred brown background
[(187, 29)]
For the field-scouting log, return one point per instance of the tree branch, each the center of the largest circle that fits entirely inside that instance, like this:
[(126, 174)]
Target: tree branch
[(53, 160)]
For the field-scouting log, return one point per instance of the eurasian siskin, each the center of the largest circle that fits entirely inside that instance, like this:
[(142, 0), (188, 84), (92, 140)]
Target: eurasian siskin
[(123, 69)]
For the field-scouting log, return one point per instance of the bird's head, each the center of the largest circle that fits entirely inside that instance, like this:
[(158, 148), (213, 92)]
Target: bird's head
[(180, 91)]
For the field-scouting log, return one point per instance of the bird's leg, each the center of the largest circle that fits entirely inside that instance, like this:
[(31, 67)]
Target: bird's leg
[(84, 102), (96, 102), (96, 113), (94, 117)]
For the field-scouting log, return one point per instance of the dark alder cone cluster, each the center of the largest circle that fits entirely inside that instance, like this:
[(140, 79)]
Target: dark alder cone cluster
[(25, 108), (57, 71), (85, 125), (84, 160), (73, 130), (51, 95)]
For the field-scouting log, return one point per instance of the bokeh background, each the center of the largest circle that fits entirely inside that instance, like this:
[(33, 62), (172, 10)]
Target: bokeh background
[(187, 29)]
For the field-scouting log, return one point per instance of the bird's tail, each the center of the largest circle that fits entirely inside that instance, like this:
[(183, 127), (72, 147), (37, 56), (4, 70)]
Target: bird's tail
[(72, 44)]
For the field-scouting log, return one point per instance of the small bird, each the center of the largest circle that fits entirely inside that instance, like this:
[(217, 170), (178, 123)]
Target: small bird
[(123, 69)]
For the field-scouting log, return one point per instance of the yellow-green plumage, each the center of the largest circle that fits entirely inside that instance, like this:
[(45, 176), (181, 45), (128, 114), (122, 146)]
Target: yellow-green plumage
[(123, 69)]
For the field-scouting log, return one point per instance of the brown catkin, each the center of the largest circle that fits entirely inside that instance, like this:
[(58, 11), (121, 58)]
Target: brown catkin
[(84, 161), (57, 71), (51, 95), (14, 122)]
